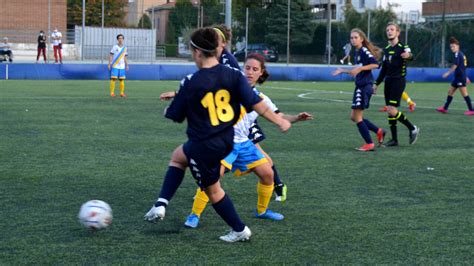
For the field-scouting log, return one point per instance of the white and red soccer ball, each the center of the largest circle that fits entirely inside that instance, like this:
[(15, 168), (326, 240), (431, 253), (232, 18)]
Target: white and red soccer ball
[(95, 214)]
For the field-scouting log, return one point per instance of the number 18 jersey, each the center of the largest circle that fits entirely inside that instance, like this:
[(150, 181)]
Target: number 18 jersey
[(210, 100)]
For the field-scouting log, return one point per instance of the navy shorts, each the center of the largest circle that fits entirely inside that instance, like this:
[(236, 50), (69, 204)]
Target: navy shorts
[(361, 98), (458, 83), (256, 134), (204, 160), (394, 88)]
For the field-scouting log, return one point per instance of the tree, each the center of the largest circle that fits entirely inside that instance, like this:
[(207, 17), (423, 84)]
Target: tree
[(301, 26), (145, 22), (114, 12), (380, 17), (183, 16), (257, 20)]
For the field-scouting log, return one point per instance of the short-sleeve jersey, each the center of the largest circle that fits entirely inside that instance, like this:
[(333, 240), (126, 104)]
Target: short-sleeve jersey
[(242, 128), (460, 61), (119, 54), (210, 100), (56, 35), (364, 57), (228, 59), (393, 64)]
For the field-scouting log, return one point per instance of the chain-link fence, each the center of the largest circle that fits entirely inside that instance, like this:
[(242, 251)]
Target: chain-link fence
[(158, 29)]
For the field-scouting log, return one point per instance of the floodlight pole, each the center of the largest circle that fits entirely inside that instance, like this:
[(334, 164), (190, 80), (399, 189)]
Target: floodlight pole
[(228, 19), (102, 36), (368, 24), (49, 27), (83, 28), (246, 30), (288, 34), (328, 48)]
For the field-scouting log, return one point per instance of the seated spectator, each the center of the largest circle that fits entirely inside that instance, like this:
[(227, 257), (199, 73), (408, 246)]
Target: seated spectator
[(5, 49)]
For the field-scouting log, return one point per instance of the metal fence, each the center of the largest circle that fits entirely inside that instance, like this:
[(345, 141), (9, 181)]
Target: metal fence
[(296, 33)]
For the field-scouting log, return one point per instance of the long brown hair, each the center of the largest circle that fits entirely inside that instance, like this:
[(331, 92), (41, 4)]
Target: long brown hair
[(374, 50), (261, 60)]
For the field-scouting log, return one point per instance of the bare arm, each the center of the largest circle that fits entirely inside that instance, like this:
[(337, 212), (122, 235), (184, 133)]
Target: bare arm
[(451, 70), (303, 116), (111, 56), (262, 109)]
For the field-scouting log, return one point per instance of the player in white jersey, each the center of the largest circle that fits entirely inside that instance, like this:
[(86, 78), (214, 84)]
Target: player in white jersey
[(246, 157), (118, 64), (56, 37)]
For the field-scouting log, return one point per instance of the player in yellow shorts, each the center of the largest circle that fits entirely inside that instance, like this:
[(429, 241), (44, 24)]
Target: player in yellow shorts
[(118, 64)]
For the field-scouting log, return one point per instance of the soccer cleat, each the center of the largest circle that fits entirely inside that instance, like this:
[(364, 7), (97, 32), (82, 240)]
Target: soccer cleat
[(341, 61), (383, 109), (411, 106), (280, 192), (469, 112), (367, 147), (414, 135), (237, 236), (192, 221), (112, 95), (442, 110), (380, 136), (155, 214), (391, 143), (270, 215), (350, 64), (123, 95)]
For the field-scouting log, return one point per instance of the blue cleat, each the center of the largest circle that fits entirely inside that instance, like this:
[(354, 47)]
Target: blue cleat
[(192, 221), (271, 215)]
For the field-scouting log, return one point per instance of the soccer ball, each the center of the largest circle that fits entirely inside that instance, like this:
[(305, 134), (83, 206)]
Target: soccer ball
[(95, 214)]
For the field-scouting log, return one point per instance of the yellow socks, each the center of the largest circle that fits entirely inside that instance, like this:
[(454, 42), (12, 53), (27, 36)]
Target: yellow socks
[(112, 87), (200, 202), (122, 86), (264, 196), (406, 98)]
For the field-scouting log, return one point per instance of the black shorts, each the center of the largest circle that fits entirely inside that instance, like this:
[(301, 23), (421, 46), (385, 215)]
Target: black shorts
[(361, 98), (256, 134), (204, 160), (394, 88), (458, 83)]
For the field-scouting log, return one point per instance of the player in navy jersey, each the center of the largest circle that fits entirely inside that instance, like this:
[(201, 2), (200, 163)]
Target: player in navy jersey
[(210, 100), (246, 156), (365, 59), (394, 63), (460, 78), (225, 38), (256, 133)]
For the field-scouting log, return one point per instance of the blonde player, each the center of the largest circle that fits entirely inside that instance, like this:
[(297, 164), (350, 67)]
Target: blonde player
[(118, 64)]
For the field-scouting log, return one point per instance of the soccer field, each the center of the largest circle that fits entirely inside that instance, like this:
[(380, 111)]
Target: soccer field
[(65, 142)]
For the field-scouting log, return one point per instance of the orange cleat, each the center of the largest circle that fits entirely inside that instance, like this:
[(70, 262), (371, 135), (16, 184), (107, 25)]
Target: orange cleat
[(367, 147), (380, 136), (383, 109), (411, 107), (112, 95), (123, 95)]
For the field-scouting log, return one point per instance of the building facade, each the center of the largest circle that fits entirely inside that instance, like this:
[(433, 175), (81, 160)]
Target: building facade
[(453, 9), (21, 20)]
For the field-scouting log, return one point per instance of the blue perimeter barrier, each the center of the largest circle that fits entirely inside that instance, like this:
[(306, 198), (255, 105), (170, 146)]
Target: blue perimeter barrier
[(179, 71)]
